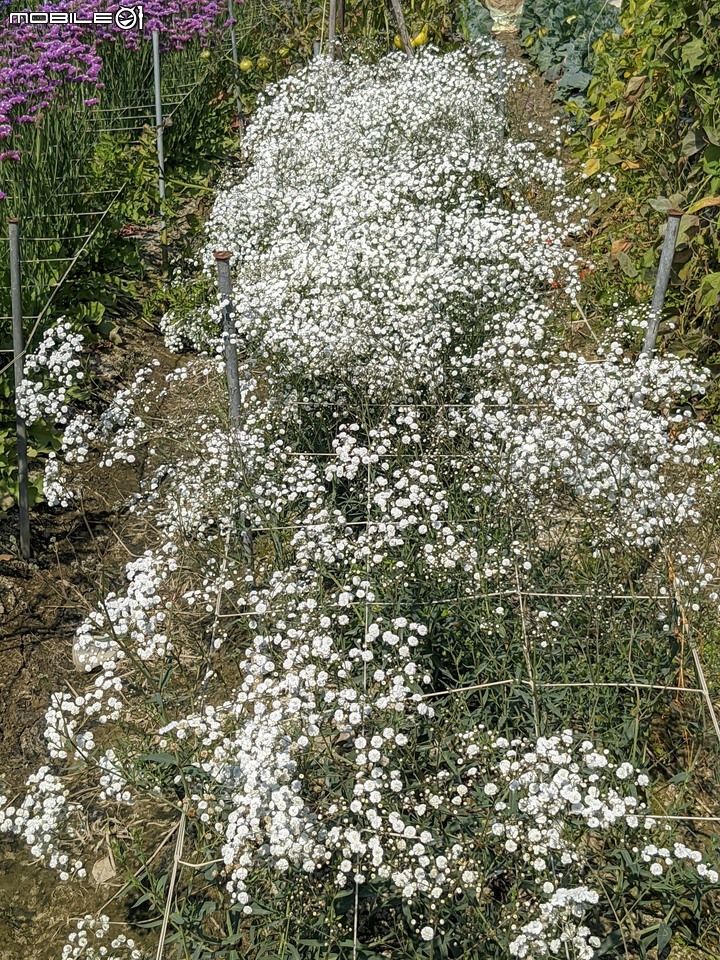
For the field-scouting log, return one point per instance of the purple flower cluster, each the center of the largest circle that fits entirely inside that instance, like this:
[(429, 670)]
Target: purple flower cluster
[(38, 61)]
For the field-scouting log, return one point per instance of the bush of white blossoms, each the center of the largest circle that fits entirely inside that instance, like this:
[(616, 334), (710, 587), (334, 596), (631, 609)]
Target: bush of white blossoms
[(336, 658)]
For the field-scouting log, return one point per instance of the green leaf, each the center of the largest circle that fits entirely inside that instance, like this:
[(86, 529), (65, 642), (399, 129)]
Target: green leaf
[(711, 159), (664, 935), (661, 204), (683, 777), (161, 759), (693, 53), (705, 202), (579, 80), (692, 143), (610, 943), (626, 265), (709, 292)]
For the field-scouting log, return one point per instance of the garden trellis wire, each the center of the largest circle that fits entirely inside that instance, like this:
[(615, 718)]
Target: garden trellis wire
[(529, 681), (632, 685), (117, 120)]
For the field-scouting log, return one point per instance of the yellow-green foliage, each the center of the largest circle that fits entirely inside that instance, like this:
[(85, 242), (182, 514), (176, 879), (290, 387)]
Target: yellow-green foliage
[(653, 118)]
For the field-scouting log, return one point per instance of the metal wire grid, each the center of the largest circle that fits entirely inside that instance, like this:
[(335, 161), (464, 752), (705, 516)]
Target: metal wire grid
[(528, 679), (176, 97), (38, 318)]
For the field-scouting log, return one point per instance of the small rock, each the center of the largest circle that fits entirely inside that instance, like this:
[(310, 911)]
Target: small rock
[(103, 870)]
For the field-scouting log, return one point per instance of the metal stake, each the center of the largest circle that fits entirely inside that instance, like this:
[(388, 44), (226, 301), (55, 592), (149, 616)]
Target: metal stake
[(18, 367), (159, 128), (233, 42), (222, 261), (316, 48), (501, 92), (662, 280)]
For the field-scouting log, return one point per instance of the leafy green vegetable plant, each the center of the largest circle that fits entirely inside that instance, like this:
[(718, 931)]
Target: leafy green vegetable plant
[(559, 35)]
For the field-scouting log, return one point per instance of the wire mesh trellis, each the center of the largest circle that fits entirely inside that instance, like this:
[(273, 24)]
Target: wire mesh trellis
[(172, 92)]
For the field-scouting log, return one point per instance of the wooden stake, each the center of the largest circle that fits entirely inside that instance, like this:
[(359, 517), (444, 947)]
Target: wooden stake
[(332, 24), (402, 27)]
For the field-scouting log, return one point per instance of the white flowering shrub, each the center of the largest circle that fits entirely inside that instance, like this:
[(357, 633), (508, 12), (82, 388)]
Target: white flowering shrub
[(396, 648)]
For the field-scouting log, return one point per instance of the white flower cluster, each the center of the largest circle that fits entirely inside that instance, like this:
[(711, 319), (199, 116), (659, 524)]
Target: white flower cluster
[(112, 782), (553, 806), (579, 438), (50, 374), (56, 490), (42, 817), (557, 930), (372, 225), (138, 615), (89, 942)]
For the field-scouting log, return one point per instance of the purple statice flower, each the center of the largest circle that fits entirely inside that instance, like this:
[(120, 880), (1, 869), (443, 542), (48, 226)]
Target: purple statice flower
[(36, 63)]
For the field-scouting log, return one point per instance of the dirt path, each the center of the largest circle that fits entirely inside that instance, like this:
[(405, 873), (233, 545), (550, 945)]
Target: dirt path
[(41, 605)]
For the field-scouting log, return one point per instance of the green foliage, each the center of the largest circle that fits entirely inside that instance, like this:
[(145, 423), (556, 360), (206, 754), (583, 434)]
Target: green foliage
[(78, 160), (652, 119), (369, 25), (475, 20), (559, 35)]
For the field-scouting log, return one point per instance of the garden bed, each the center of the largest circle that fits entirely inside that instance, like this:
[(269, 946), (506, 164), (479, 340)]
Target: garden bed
[(405, 661)]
